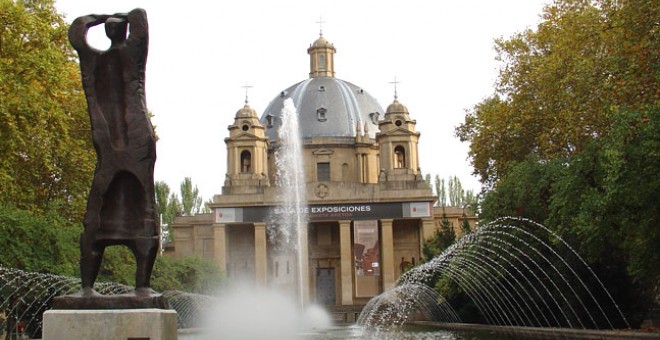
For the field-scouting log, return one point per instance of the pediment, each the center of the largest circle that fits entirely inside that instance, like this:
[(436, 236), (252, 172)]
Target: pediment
[(245, 136), (319, 152), (398, 131)]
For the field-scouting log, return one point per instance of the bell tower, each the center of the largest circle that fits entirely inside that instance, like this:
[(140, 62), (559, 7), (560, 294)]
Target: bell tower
[(247, 147), (398, 142)]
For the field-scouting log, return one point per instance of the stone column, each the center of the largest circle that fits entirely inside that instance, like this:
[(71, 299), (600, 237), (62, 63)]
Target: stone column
[(220, 246), (346, 256), (360, 171), (303, 257), (387, 253), (260, 254), (427, 226)]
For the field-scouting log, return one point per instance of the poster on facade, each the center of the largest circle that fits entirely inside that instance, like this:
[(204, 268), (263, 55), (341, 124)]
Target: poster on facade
[(366, 248), (417, 209), (226, 215)]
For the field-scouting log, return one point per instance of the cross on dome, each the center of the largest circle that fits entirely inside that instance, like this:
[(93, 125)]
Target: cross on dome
[(395, 82), (320, 22), (246, 87)]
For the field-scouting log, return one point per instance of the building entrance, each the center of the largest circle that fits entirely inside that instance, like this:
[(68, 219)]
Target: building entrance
[(325, 286)]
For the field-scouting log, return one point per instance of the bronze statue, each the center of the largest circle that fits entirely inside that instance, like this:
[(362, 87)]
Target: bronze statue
[(121, 204)]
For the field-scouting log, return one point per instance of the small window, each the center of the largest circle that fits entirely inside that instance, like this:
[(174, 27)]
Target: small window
[(323, 172), (269, 121), (321, 88), (398, 123), (320, 114), (245, 127), (246, 162), (399, 157), (374, 117)]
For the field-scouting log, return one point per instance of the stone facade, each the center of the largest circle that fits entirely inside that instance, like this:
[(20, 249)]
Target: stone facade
[(369, 208)]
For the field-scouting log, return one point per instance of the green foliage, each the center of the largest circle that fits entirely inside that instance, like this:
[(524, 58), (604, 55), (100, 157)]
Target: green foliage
[(456, 192), (167, 204), (441, 191), (190, 274), (570, 137), (46, 156), (118, 266), (524, 191), (465, 226), (443, 237), (38, 243), (162, 191), (205, 206), (561, 84), (191, 201), (457, 196), (608, 195), (603, 201), (463, 304)]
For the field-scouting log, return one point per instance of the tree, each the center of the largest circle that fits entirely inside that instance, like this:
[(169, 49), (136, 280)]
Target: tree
[(443, 237), (465, 225), (561, 85), (525, 191), (205, 207), (167, 204), (441, 191), (162, 198), (602, 201), (456, 192), (470, 200), (457, 196), (191, 202), (609, 195), (46, 156), (38, 243), (174, 208), (191, 274)]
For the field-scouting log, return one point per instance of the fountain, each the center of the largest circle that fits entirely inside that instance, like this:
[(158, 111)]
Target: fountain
[(288, 230), (516, 272), (519, 274), (25, 296), (282, 309)]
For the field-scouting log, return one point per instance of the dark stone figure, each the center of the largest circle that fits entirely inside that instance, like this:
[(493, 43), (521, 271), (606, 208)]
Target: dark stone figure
[(121, 204)]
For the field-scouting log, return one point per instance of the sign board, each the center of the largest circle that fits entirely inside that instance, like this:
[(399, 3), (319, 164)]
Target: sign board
[(328, 212)]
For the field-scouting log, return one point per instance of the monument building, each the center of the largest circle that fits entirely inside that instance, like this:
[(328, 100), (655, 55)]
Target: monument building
[(368, 208)]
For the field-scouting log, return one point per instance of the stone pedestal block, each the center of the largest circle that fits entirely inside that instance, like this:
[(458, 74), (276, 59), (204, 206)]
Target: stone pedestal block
[(109, 324)]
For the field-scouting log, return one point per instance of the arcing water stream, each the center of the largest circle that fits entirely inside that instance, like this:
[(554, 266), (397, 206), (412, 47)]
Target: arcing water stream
[(515, 271)]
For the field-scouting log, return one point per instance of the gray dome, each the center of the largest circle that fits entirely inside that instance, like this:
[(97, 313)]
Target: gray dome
[(327, 107)]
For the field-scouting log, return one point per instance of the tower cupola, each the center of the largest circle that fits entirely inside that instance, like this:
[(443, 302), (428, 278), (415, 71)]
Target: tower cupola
[(321, 58)]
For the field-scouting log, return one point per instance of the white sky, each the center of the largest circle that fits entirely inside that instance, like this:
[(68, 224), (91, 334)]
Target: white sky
[(201, 53)]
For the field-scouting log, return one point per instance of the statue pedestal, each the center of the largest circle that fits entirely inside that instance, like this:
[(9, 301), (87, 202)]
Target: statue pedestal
[(142, 324)]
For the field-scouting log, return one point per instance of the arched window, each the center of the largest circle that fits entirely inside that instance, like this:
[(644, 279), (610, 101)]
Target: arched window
[(399, 157), (246, 162), (322, 63)]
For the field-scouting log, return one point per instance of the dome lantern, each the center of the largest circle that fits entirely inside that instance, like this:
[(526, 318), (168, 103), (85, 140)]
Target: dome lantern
[(321, 58)]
